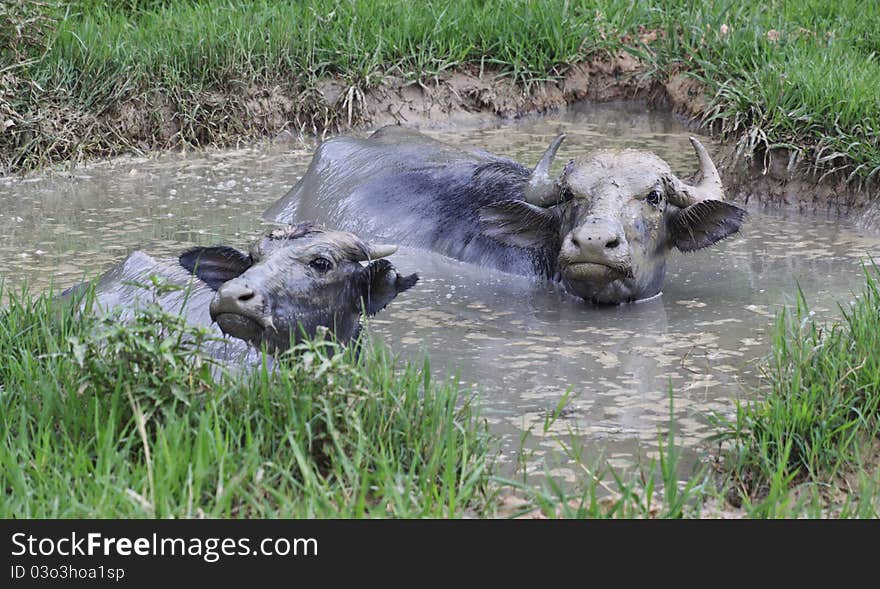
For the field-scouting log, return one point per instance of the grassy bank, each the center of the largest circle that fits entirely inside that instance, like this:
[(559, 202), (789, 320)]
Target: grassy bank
[(86, 78), (103, 420), (99, 419), (817, 421)]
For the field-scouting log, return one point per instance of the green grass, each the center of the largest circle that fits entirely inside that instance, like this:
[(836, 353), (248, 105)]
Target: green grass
[(802, 75), (99, 419), (806, 443), (660, 489), (820, 413), (103, 419)]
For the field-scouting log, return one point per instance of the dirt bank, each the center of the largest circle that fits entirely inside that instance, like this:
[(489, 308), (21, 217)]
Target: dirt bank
[(472, 94), (251, 113), (766, 178), (776, 178)]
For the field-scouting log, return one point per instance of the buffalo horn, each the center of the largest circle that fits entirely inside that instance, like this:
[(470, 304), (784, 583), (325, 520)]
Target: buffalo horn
[(541, 190), (375, 251), (707, 188)]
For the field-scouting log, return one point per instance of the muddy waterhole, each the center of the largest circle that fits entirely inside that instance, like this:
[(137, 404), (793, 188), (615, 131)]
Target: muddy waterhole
[(520, 344)]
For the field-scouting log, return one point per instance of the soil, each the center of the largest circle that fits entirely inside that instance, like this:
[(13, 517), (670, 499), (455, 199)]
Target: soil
[(470, 94), (249, 113), (777, 179)]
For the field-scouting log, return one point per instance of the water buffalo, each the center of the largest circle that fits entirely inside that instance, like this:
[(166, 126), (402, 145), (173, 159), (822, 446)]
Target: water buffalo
[(603, 228), (293, 280)]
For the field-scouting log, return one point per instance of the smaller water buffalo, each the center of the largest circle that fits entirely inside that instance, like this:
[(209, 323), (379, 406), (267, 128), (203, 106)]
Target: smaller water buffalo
[(603, 228), (293, 280)]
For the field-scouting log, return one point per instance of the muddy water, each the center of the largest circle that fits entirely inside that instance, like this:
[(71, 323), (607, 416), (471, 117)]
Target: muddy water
[(521, 344)]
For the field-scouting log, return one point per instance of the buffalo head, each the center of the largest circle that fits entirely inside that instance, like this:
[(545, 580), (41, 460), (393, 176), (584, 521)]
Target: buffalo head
[(295, 279), (612, 217)]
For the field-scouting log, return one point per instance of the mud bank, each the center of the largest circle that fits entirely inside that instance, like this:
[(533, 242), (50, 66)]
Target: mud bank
[(482, 94), (247, 114), (776, 178), (770, 178)]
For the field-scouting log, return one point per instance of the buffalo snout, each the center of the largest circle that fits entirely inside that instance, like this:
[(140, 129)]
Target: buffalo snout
[(597, 241), (237, 297)]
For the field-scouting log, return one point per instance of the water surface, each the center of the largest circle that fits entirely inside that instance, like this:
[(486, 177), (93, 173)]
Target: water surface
[(521, 344)]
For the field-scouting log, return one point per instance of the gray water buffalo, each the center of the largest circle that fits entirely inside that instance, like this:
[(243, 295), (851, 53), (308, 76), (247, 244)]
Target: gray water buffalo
[(293, 280), (603, 228)]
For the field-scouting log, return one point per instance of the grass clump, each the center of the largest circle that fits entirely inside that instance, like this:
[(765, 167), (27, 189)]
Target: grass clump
[(105, 419), (807, 444), (81, 78), (801, 76), (99, 419), (819, 420), (662, 489)]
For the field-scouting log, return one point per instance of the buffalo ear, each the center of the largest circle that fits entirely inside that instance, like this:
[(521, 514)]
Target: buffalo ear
[(704, 223), (382, 283), (520, 224), (215, 265)]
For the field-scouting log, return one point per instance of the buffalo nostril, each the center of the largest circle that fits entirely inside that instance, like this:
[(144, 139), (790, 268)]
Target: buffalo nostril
[(575, 242), (246, 296), (613, 243)]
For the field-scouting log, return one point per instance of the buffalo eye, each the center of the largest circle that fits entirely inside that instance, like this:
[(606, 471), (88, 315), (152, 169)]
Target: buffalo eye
[(654, 197), (321, 264)]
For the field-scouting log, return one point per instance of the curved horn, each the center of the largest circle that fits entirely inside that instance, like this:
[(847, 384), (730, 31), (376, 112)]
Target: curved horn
[(541, 190), (709, 186), (379, 250)]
